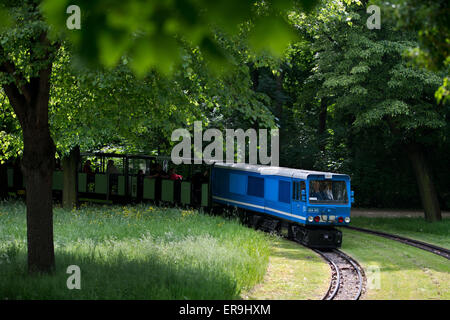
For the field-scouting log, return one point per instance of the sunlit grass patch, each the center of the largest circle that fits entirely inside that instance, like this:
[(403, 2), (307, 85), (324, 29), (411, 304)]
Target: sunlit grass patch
[(437, 233), (135, 252), (294, 273), (398, 271)]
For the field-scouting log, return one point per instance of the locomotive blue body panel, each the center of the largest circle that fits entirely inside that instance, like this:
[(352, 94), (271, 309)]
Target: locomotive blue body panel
[(281, 193)]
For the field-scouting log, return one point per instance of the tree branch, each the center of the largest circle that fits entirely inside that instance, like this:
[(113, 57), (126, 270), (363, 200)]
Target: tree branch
[(9, 67), (41, 85), (17, 101)]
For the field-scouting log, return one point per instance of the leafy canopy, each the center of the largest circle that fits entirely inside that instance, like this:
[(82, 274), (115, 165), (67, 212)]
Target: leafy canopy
[(152, 32)]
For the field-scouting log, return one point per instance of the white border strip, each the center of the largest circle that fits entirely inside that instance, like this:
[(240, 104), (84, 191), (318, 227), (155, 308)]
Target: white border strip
[(261, 207)]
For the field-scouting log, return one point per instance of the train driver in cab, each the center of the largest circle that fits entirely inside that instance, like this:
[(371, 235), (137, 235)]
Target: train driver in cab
[(328, 192), (315, 191)]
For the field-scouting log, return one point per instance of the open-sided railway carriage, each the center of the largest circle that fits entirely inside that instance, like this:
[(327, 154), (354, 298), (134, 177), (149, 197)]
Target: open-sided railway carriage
[(129, 183), (305, 204), (133, 182)]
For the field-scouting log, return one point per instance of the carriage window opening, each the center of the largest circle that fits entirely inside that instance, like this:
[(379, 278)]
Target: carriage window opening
[(325, 191), (255, 187), (283, 191)]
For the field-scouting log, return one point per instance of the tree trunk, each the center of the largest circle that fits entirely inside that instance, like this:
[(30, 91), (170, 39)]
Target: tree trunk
[(3, 182), (322, 124), (38, 164), (425, 183), (70, 164), (282, 134)]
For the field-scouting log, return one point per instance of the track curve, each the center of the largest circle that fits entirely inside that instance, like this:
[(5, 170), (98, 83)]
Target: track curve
[(347, 279)]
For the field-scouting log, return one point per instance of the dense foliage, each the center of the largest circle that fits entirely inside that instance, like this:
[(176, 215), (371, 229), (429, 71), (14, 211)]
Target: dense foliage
[(354, 102), (345, 98)]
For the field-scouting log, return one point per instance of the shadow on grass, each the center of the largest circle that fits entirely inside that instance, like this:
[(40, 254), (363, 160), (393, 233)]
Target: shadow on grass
[(115, 278)]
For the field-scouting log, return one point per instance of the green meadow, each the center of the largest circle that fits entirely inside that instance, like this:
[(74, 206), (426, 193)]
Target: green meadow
[(135, 252)]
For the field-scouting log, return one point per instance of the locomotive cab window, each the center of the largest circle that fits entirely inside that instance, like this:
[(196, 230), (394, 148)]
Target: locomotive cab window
[(324, 191)]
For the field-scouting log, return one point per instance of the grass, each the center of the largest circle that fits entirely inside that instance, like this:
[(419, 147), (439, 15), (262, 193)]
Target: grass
[(137, 252), (294, 273), (144, 252), (398, 271), (437, 233)]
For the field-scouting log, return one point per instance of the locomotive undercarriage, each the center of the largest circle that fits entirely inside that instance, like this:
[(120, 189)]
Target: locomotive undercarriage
[(326, 237)]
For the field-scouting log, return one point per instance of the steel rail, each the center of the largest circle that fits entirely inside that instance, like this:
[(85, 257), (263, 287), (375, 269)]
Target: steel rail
[(331, 294), (356, 266)]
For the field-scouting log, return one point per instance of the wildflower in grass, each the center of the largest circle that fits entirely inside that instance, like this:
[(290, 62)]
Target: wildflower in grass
[(187, 213), (4, 258)]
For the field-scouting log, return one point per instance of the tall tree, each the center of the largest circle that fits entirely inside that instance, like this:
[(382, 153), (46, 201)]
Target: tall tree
[(26, 56), (375, 87)]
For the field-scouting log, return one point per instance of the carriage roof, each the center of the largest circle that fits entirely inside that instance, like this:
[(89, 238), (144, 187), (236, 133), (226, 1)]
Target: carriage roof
[(277, 171)]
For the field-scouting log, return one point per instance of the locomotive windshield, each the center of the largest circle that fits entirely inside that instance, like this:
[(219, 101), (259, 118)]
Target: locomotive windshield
[(330, 192)]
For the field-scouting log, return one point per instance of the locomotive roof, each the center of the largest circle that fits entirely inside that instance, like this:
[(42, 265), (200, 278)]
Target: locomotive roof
[(277, 171)]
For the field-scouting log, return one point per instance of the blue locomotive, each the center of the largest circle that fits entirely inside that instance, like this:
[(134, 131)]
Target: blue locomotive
[(306, 203)]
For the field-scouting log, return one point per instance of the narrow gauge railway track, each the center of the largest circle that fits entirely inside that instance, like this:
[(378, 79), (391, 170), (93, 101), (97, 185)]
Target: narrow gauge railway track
[(346, 277), (443, 252)]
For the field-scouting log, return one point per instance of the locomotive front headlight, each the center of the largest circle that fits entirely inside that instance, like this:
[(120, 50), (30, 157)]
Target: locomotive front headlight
[(310, 219), (347, 219)]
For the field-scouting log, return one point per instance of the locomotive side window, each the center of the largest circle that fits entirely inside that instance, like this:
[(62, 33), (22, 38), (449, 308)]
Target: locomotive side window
[(302, 188), (237, 183), (298, 186), (255, 187), (295, 193), (283, 191)]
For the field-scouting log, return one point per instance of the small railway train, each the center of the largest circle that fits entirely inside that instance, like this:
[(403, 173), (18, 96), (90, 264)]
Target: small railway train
[(307, 205)]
